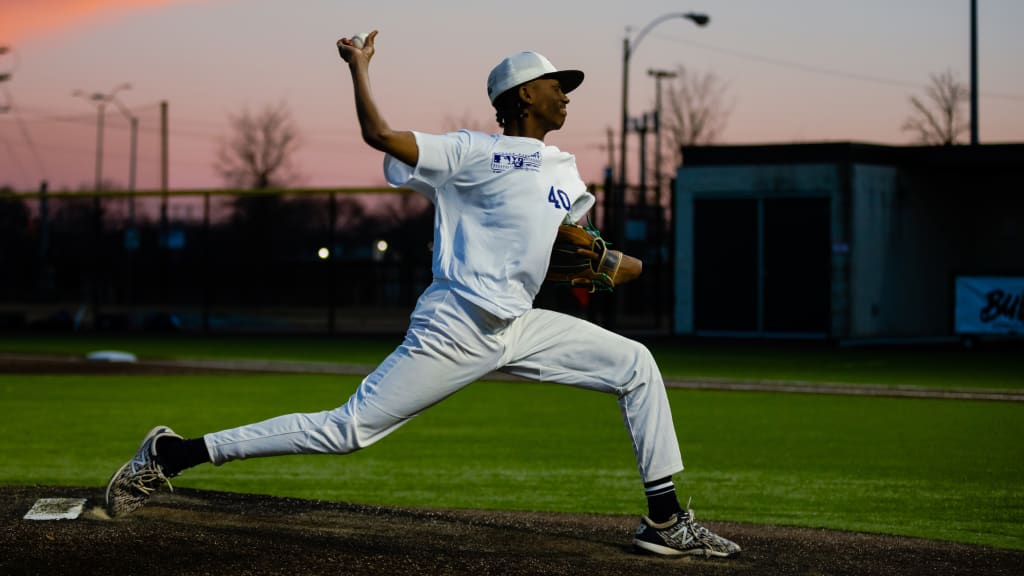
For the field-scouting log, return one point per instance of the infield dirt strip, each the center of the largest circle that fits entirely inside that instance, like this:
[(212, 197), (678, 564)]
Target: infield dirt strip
[(216, 533)]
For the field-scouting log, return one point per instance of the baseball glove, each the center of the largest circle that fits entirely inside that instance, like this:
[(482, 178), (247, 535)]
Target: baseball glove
[(581, 258)]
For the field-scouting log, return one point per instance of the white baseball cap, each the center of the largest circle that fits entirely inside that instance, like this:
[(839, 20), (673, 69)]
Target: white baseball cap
[(525, 66)]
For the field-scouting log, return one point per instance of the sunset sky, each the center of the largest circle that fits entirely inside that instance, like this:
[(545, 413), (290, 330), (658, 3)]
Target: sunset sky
[(795, 71)]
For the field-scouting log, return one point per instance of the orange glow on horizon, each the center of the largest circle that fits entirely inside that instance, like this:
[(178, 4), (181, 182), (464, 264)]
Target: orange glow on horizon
[(22, 20)]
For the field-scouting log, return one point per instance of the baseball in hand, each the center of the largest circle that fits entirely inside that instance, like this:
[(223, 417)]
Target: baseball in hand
[(359, 39)]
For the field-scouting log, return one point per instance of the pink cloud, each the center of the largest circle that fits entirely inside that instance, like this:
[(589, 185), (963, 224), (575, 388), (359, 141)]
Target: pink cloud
[(26, 19)]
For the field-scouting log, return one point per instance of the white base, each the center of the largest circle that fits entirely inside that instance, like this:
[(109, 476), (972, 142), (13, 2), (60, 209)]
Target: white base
[(56, 509)]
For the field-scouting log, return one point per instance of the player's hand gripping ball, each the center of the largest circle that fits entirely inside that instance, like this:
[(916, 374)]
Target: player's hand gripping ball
[(581, 258), (346, 45)]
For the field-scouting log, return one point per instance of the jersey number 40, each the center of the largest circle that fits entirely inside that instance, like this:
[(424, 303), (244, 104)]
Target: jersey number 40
[(559, 198)]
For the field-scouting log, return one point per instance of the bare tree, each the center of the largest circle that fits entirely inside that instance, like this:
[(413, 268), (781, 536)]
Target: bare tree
[(258, 153), (939, 119), (696, 109)]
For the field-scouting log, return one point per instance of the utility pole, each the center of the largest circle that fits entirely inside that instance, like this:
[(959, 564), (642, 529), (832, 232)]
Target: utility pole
[(45, 277), (609, 180), (100, 100), (658, 76), (163, 149), (659, 225), (642, 126), (163, 171), (100, 115), (974, 72), (610, 134), (134, 122), (164, 230)]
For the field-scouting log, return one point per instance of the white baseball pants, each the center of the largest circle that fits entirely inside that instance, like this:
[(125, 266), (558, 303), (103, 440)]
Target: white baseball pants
[(452, 343)]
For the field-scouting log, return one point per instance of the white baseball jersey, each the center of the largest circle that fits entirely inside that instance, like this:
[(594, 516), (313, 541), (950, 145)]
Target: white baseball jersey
[(499, 201)]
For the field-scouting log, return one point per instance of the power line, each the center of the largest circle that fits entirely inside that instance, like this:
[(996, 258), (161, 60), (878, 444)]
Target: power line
[(217, 131), (62, 119), (188, 133), (822, 70)]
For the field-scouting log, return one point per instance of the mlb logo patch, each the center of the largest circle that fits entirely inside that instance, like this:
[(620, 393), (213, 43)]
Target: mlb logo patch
[(503, 161)]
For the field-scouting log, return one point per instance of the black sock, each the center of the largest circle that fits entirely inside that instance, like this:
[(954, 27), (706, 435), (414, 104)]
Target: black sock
[(176, 454), (661, 499)]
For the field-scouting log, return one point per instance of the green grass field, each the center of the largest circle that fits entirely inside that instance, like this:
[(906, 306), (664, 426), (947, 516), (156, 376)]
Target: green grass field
[(940, 469)]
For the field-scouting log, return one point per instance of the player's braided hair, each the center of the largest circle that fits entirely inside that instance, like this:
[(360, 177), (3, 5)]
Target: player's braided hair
[(508, 107)]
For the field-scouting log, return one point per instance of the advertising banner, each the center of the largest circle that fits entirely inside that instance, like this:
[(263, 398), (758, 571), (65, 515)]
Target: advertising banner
[(989, 305)]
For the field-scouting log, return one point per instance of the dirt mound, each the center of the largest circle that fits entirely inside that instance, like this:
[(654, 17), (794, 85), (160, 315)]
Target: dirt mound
[(201, 532)]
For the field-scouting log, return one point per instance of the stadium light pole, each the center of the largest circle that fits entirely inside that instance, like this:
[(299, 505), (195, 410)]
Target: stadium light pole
[(628, 48)]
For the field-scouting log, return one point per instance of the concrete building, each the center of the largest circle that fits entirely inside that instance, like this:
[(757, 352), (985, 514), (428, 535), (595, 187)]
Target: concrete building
[(841, 241)]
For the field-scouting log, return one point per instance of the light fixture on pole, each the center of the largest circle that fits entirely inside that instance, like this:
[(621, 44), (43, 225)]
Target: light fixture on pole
[(628, 48)]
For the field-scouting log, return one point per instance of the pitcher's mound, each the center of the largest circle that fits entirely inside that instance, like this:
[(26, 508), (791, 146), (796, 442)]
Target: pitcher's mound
[(200, 532)]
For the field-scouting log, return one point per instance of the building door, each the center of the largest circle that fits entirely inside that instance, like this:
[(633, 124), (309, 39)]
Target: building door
[(761, 266), (725, 265), (796, 264)]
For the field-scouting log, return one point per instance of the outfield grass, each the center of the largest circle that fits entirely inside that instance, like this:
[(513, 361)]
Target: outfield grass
[(932, 468), (939, 367)]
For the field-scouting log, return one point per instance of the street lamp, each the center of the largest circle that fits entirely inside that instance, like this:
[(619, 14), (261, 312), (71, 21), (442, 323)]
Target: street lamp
[(101, 100), (628, 47)]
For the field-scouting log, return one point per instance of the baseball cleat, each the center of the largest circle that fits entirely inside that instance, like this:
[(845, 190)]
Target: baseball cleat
[(680, 535), (132, 485)]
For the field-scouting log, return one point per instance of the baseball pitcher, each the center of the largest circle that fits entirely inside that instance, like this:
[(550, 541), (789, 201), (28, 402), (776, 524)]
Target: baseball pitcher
[(500, 200)]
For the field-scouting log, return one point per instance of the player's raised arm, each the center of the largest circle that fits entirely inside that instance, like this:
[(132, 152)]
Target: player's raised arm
[(376, 132)]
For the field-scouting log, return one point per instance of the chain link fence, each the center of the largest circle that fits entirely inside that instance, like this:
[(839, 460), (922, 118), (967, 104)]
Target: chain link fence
[(286, 261)]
